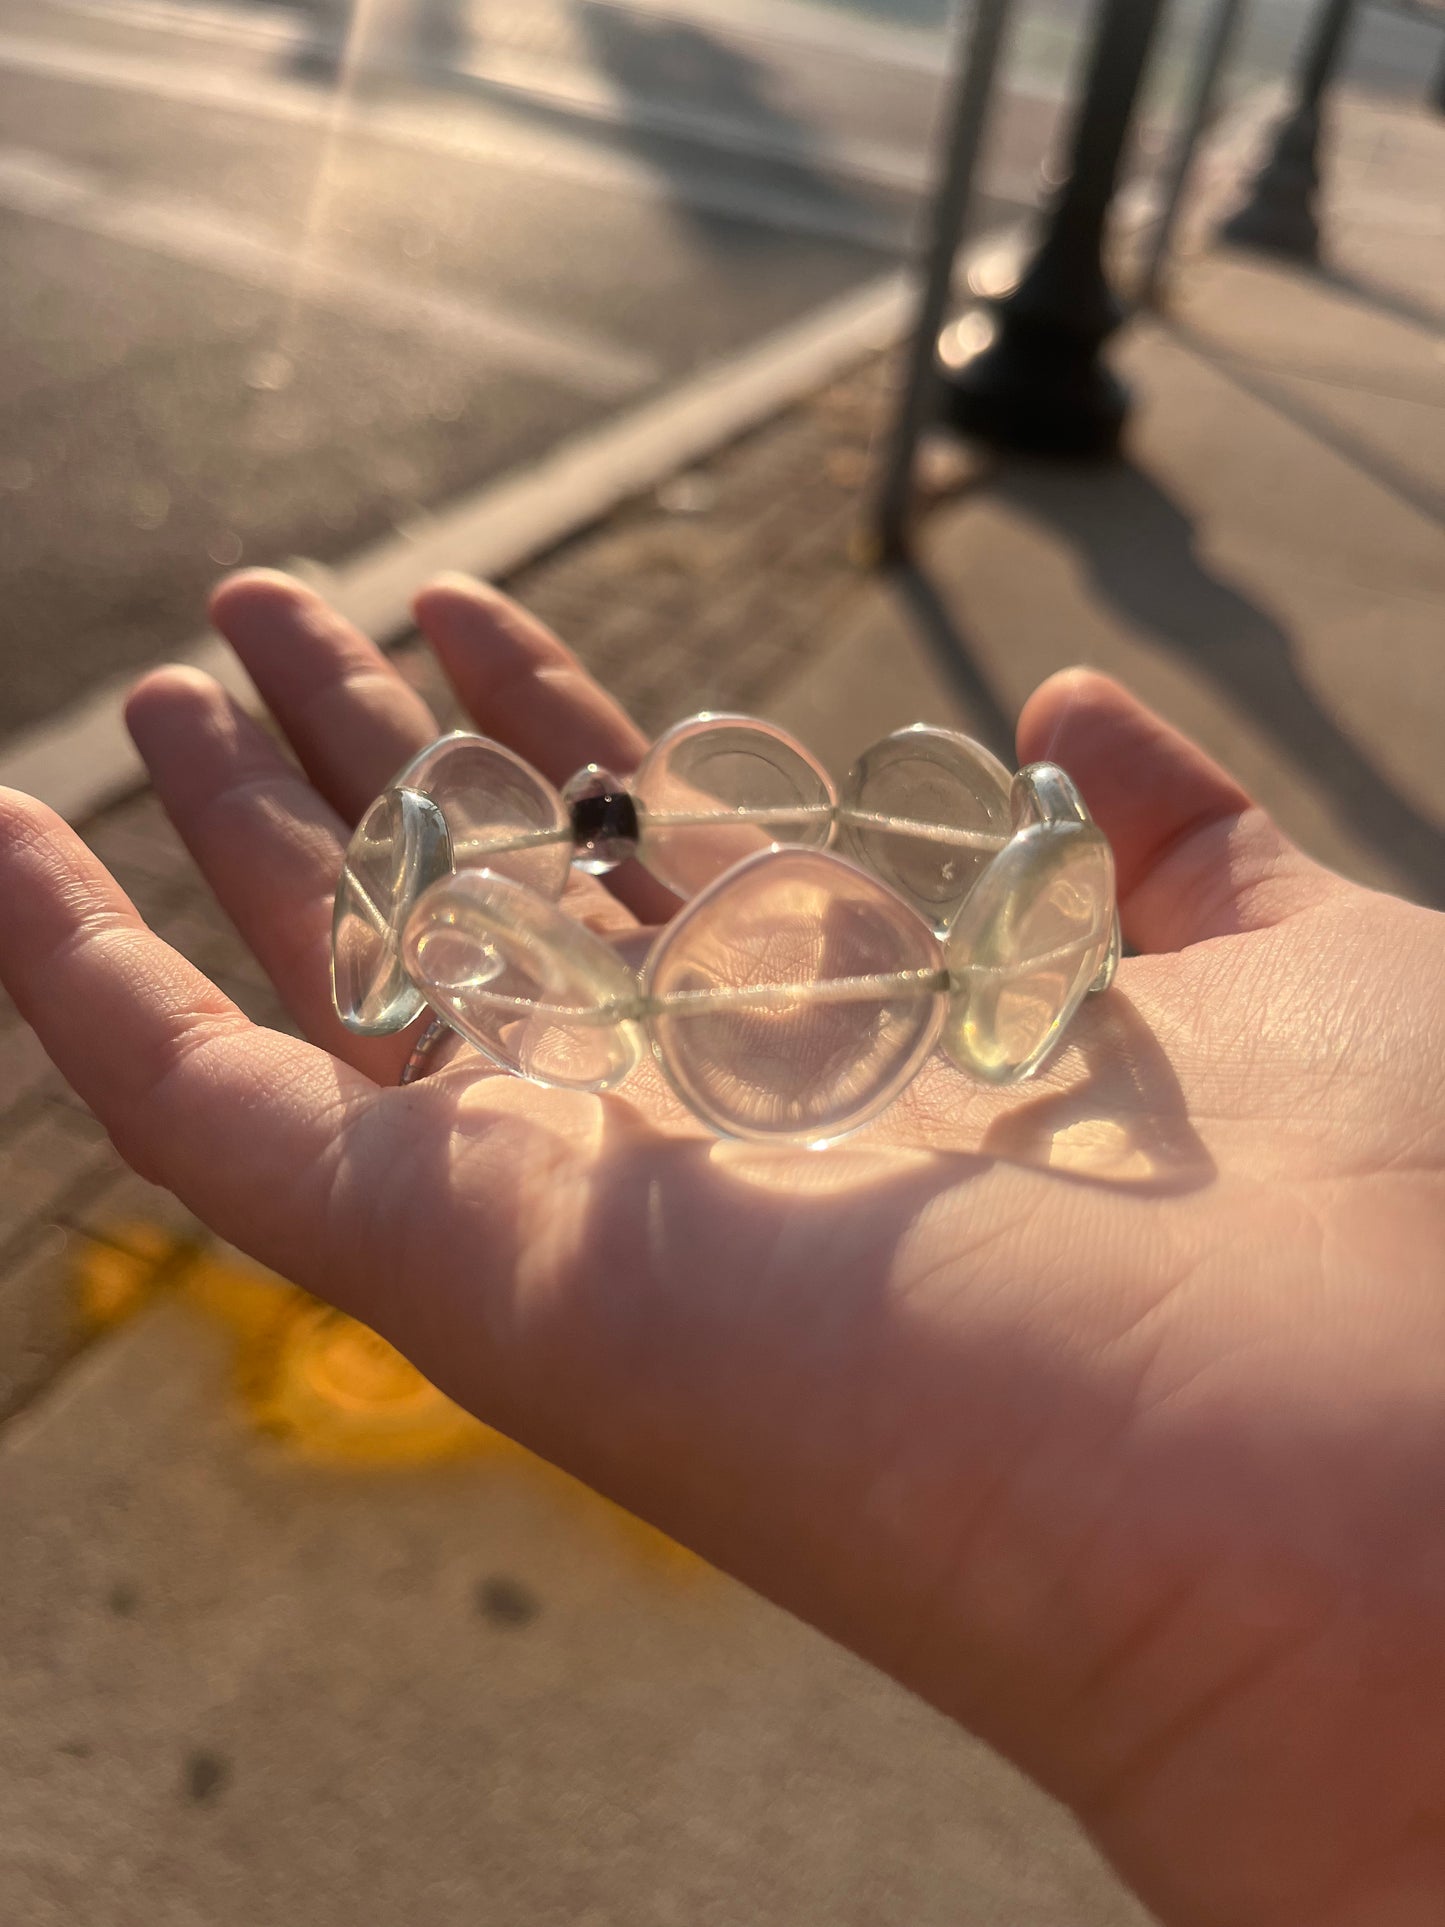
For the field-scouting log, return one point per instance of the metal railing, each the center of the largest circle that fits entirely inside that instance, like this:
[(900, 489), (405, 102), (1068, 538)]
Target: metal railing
[(1027, 369)]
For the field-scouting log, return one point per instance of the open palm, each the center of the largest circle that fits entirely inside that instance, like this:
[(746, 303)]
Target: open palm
[(1108, 1412)]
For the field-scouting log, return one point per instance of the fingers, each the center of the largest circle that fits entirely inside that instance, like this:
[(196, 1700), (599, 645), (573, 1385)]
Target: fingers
[(522, 685), (352, 720), (1195, 857), (268, 845), (525, 688), (245, 1125)]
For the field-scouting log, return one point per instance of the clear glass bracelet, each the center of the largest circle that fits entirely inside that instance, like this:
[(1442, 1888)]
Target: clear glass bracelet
[(802, 986)]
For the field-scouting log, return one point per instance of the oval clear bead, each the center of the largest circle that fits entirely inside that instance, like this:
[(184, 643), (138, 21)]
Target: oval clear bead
[(794, 998), (1109, 968), (716, 789), (1027, 944), (1044, 793), (535, 992), (500, 814), (399, 847), (926, 810)]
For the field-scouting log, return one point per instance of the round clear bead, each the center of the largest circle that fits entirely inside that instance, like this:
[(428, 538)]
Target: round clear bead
[(794, 998), (927, 810), (1109, 968), (715, 789), (398, 848), (1044, 793), (534, 991), (1032, 937), (604, 820), (500, 814)]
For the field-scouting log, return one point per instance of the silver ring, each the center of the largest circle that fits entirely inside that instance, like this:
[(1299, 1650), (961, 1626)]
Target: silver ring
[(424, 1051)]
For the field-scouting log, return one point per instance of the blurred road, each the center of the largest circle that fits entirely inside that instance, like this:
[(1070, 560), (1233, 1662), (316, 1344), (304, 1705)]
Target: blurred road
[(272, 289), (278, 279)]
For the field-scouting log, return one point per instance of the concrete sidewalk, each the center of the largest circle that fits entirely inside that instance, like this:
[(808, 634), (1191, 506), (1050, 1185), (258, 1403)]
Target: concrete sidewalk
[(1266, 566), (286, 1638)]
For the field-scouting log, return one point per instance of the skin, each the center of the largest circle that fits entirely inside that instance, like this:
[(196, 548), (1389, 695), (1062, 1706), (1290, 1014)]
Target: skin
[(1107, 1413)]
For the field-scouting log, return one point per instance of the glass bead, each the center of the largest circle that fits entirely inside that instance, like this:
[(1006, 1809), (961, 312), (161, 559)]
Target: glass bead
[(1109, 968), (534, 991), (927, 810), (716, 789), (794, 998), (604, 820), (1044, 793), (397, 849), (1025, 947), (500, 813)]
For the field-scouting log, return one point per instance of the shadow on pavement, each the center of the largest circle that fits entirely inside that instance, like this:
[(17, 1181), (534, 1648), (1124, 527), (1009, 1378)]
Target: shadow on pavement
[(1138, 546), (1375, 294), (946, 642), (652, 60), (349, 41), (1256, 382), (685, 97)]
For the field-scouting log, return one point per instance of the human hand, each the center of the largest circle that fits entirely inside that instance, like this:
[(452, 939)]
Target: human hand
[(1107, 1412)]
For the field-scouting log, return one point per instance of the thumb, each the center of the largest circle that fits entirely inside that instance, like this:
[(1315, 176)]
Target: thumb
[(1195, 857)]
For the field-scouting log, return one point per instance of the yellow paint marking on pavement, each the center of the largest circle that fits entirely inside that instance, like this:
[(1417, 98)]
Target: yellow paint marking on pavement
[(326, 1387), (333, 1389), (117, 1272), (111, 1285), (250, 1301)]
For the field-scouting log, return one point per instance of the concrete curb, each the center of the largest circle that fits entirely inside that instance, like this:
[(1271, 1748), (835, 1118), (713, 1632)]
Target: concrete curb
[(83, 758)]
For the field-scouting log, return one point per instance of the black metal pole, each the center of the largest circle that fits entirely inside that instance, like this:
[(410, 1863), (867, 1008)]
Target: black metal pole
[(1279, 215), (1034, 378), (961, 135), (1204, 88)]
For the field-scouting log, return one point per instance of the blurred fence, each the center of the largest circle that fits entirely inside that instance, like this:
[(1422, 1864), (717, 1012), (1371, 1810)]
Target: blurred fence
[(1025, 369)]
